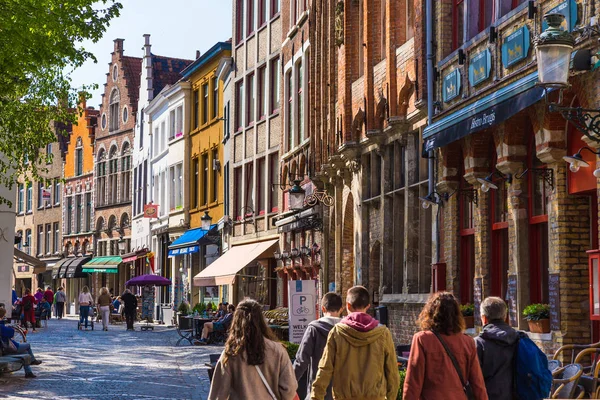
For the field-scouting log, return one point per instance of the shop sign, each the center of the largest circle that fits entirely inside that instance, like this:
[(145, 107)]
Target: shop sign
[(515, 47), (480, 66), (569, 10), (23, 268), (451, 88), (302, 310), (182, 251)]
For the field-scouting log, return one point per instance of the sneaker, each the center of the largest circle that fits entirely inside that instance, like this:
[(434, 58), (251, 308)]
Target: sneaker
[(30, 375), (36, 362)]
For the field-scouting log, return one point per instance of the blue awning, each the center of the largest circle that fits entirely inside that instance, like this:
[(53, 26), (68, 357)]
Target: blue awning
[(189, 242), (483, 113)]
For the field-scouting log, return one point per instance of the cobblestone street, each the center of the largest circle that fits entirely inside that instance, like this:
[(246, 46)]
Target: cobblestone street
[(111, 365)]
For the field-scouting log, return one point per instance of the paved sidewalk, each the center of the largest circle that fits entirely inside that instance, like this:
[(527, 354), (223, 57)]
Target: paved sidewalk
[(110, 365)]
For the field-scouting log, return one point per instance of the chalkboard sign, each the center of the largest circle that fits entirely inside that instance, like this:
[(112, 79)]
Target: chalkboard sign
[(554, 301), (511, 296), (477, 298)]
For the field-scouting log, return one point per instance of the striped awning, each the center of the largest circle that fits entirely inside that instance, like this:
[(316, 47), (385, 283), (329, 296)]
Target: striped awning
[(104, 264)]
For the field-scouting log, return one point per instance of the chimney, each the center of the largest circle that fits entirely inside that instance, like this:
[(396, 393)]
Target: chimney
[(197, 54), (148, 65), (119, 45)]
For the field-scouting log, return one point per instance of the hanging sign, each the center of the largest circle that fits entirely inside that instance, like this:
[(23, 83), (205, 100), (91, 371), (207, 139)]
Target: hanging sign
[(302, 309), (569, 10), (451, 86), (151, 210), (480, 66), (515, 47)]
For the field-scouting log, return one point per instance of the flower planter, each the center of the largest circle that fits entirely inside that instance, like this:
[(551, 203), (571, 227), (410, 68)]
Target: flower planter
[(469, 321), (541, 326)]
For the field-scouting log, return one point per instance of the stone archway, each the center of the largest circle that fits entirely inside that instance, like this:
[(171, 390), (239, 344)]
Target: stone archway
[(347, 273)]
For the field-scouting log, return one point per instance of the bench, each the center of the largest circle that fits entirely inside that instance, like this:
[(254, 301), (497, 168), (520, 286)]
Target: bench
[(13, 362)]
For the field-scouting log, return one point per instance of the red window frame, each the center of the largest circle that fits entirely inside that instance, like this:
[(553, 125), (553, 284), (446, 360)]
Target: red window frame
[(456, 4), (499, 271), (467, 244)]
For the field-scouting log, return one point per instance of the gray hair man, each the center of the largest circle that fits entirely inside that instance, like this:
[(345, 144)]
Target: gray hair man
[(496, 348)]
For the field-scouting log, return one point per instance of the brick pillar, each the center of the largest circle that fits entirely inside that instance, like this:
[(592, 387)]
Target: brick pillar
[(338, 233)]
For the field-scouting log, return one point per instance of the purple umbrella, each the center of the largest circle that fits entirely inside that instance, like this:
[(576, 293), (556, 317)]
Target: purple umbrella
[(148, 280)]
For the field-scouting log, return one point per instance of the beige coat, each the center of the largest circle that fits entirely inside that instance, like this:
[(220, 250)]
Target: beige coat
[(238, 380)]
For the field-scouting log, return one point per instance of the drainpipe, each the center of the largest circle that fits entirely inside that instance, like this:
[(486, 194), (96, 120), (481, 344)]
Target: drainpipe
[(430, 99)]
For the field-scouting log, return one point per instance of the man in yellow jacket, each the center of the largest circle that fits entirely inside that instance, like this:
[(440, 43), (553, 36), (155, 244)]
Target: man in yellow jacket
[(360, 356)]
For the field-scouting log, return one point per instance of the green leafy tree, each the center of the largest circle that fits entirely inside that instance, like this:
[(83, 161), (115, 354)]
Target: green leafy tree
[(39, 48)]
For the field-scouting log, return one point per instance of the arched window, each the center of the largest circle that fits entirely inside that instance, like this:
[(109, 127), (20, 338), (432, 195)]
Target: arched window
[(76, 248), (101, 178), (124, 221), (112, 223), (114, 116), (126, 172), (113, 163)]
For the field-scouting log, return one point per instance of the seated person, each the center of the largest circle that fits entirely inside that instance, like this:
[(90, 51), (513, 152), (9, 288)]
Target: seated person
[(116, 305), (222, 310), (6, 334), (221, 325), (45, 309)]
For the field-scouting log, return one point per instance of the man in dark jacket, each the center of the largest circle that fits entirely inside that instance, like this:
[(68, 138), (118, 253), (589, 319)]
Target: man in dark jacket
[(129, 308), (313, 343), (496, 348)]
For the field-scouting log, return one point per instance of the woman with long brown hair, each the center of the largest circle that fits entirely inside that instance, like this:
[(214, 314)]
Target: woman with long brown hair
[(253, 365), (443, 360)]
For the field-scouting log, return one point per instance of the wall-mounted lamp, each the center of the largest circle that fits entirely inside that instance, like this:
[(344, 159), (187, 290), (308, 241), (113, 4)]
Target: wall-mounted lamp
[(316, 249), (545, 173), (305, 251), (285, 255), (576, 161), (295, 253), (433, 199), (488, 183), (206, 221), (277, 255)]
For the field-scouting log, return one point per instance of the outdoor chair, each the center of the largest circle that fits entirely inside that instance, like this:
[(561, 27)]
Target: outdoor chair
[(589, 358), (565, 383), (117, 318), (185, 329), (569, 352), (553, 365)]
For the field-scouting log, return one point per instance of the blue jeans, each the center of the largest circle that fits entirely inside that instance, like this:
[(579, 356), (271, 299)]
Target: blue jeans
[(84, 313), (26, 348)]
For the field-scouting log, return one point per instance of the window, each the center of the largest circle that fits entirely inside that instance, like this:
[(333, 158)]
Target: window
[(114, 110), (196, 107), (101, 178), (163, 136), (300, 101), (237, 192), (179, 124), (262, 75), (29, 197), (499, 240), (273, 179), (274, 86), (22, 241), (250, 195), (88, 212), (288, 110), (215, 99), (79, 161), (260, 184), (69, 212), (293, 12), (57, 192), (156, 149), (239, 21), (467, 240), (239, 98), (179, 186), (360, 41), (112, 175), (172, 192), (40, 240), (40, 195), (226, 122), (28, 241), (78, 213), (145, 185), (136, 192), (172, 123), (250, 99), (125, 173), (21, 205), (48, 240), (205, 178), (375, 175), (49, 153), (55, 241), (458, 16), (410, 19), (142, 129), (205, 103), (275, 7), (226, 189), (215, 176), (262, 12), (195, 183), (250, 17), (383, 31)]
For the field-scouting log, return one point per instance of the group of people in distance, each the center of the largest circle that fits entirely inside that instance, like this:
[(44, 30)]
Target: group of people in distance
[(30, 307), (106, 305), (354, 357)]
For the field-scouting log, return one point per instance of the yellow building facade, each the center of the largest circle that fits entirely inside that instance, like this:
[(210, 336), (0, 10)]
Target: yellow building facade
[(206, 188)]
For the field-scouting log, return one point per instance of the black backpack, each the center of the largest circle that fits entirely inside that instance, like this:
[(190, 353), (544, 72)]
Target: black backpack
[(27, 306)]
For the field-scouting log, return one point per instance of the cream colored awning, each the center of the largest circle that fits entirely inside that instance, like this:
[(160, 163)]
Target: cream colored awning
[(224, 269), (26, 258)]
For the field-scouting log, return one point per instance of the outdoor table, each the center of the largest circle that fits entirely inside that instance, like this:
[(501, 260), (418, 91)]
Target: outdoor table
[(198, 325)]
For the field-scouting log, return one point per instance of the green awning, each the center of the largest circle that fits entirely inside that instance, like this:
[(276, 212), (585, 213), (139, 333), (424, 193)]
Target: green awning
[(104, 264)]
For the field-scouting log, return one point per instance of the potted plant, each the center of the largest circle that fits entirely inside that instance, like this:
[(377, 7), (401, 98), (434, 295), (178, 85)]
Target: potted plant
[(292, 349), (538, 317), (182, 311), (468, 310)]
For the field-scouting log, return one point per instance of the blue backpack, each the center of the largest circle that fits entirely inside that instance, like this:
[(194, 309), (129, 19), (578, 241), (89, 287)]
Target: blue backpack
[(533, 380)]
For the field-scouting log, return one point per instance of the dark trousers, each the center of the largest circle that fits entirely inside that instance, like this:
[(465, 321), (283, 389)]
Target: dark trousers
[(84, 313), (129, 318), (60, 308)]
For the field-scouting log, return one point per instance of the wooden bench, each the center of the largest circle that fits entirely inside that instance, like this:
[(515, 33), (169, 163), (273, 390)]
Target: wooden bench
[(13, 362)]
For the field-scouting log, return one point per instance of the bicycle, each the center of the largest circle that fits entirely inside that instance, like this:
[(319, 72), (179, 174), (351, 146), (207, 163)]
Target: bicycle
[(18, 332), (322, 196)]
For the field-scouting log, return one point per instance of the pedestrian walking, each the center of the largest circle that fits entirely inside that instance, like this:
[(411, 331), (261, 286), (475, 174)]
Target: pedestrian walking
[(443, 360), (28, 309), (129, 308), (60, 298), (104, 305), (85, 303), (254, 365), (314, 341), (359, 356), (10, 346), (49, 296)]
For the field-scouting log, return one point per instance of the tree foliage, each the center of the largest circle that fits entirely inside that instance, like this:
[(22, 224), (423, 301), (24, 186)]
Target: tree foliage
[(40, 44)]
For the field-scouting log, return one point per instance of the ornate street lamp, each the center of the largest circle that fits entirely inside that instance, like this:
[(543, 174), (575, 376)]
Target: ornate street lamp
[(206, 221), (297, 196), (122, 243), (432, 199), (488, 183)]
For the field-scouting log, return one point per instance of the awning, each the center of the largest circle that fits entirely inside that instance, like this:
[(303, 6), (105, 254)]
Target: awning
[(133, 256), (484, 113), (58, 270), (26, 258), (105, 264), (189, 242), (75, 268), (224, 269)]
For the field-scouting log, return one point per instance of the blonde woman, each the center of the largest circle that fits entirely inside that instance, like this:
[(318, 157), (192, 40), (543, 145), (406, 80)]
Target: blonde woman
[(85, 302), (104, 303)]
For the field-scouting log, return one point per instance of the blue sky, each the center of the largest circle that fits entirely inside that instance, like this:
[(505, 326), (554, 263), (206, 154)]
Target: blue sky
[(177, 27)]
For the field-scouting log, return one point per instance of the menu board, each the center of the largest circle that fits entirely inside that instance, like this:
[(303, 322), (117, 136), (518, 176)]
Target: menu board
[(513, 313), (554, 301), (477, 298)]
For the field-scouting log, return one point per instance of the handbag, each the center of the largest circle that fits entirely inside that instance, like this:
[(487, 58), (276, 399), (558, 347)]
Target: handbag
[(9, 347), (262, 378), (465, 384)]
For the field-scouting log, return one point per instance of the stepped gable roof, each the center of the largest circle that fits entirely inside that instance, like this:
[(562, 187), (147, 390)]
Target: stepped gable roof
[(166, 71), (132, 66)]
